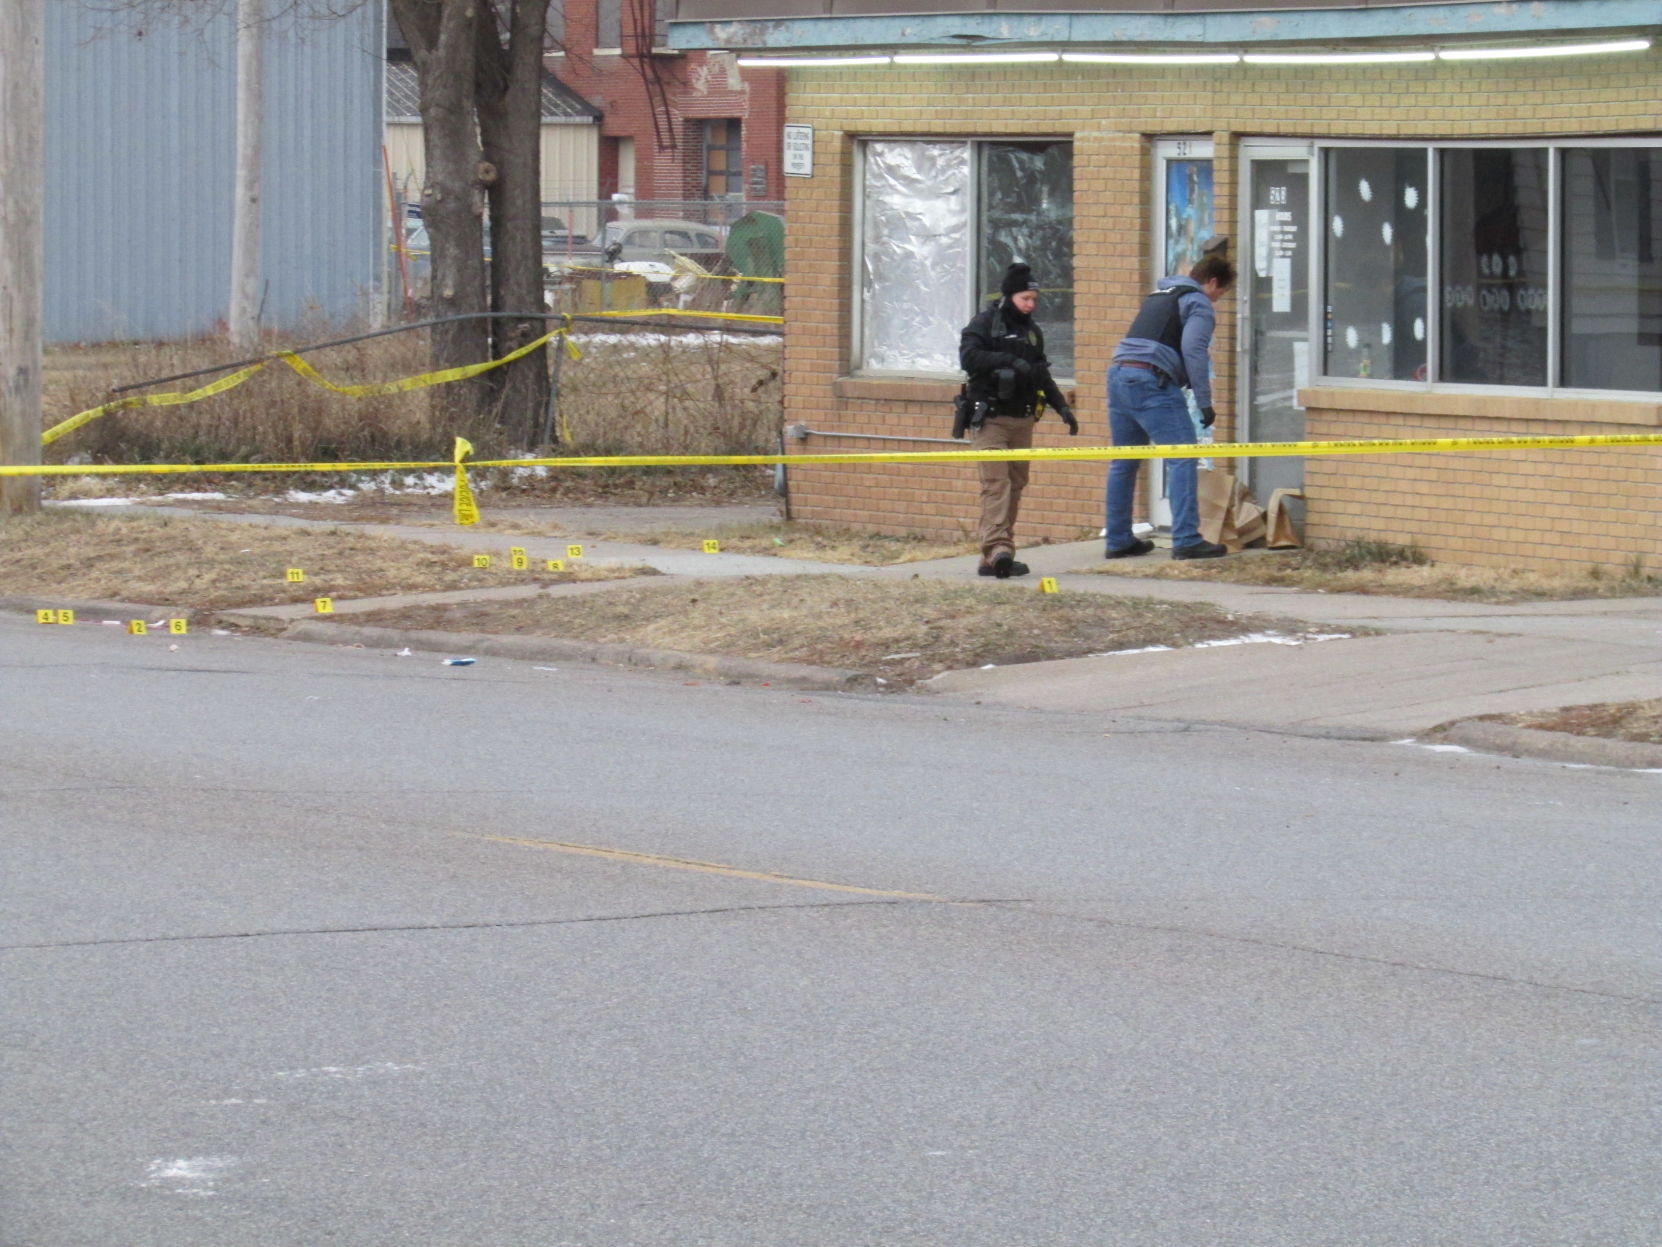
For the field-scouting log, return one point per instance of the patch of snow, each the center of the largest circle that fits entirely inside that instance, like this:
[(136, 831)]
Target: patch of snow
[(188, 1175), (347, 1072), (1250, 638)]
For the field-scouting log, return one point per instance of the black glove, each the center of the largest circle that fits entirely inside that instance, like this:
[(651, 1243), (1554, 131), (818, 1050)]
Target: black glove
[(1020, 366), (1067, 419), (1208, 417)]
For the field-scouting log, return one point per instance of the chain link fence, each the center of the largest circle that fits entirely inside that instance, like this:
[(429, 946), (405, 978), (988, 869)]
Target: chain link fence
[(627, 255)]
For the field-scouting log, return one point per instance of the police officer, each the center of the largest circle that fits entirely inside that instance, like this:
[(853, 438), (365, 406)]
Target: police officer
[(1003, 351)]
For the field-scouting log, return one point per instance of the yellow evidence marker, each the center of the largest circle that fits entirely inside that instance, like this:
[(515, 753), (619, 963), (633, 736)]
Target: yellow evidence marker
[(481, 560), (556, 565), (46, 617), (1047, 585), (516, 552), (178, 627), (520, 562), (137, 627), (324, 606), (66, 616), (574, 552), (295, 576), (712, 546)]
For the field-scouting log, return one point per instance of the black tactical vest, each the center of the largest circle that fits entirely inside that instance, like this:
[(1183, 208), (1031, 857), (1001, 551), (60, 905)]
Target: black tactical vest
[(1158, 319)]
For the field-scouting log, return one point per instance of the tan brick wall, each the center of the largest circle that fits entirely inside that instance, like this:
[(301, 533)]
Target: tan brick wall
[(1456, 508)]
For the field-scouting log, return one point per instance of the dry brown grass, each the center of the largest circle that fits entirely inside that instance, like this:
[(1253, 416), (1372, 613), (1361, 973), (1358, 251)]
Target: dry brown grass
[(1349, 570), (214, 564), (640, 391), (1620, 720), (795, 541), (903, 631)]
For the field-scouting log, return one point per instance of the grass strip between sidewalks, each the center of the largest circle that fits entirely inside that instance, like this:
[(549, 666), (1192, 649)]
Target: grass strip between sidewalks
[(216, 564), (902, 631)]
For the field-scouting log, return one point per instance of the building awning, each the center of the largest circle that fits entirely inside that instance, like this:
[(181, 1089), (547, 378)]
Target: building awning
[(781, 26)]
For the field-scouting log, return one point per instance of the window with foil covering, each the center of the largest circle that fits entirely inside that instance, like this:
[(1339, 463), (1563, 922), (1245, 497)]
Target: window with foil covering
[(939, 223)]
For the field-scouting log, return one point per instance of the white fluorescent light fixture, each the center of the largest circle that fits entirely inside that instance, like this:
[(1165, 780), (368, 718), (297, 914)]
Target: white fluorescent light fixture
[(1546, 49), (977, 58), (1152, 58), (1337, 58), (809, 62)]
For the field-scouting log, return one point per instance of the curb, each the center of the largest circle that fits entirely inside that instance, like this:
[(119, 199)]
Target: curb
[(713, 666), (126, 610), (1530, 742)]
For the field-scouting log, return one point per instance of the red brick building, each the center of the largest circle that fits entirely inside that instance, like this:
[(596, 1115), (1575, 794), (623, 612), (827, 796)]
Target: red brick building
[(677, 125)]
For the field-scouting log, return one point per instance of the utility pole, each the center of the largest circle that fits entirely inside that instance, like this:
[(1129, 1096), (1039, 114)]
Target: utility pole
[(244, 315), (22, 81)]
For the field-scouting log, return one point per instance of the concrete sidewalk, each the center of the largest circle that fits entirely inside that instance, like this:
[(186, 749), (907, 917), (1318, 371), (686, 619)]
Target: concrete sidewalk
[(1437, 661)]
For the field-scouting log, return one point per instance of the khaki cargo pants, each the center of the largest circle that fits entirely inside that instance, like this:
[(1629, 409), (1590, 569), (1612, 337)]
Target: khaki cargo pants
[(1001, 483)]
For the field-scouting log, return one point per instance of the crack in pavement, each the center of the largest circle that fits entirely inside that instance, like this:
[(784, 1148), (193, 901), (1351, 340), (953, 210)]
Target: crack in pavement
[(1285, 946), (453, 926), (1013, 905)]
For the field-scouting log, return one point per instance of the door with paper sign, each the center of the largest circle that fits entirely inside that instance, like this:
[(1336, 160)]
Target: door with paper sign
[(1274, 305)]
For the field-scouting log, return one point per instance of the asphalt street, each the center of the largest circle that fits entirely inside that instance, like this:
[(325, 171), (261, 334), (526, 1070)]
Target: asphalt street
[(305, 945)]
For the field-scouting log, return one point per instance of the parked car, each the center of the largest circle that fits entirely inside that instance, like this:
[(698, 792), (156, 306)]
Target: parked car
[(647, 246)]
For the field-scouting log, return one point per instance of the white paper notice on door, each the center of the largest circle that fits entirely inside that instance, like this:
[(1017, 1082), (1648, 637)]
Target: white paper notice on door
[(1301, 371), (1281, 284), (1263, 221)]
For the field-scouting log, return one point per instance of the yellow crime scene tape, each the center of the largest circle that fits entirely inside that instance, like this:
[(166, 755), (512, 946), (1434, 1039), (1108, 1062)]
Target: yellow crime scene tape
[(403, 385), (467, 511)]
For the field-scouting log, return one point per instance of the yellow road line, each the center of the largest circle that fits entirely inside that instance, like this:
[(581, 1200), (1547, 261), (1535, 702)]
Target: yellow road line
[(708, 868)]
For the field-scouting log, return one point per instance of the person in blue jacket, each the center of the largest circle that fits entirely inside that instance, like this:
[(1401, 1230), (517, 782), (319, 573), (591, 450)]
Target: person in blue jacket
[(1166, 349)]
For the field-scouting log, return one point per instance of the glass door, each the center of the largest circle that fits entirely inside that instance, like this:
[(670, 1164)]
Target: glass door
[(1274, 307)]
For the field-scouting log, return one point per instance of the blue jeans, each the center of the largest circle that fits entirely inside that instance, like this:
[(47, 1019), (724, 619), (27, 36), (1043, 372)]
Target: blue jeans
[(1142, 411)]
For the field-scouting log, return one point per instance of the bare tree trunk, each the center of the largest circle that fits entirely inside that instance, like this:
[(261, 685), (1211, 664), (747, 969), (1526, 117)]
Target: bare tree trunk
[(443, 42), (22, 74), (245, 211), (510, 125)]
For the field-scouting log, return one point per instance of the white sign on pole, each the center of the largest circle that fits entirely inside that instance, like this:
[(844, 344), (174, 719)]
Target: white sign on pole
[(799, 152)]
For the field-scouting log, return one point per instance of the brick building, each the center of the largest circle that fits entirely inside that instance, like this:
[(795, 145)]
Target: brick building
[(1448, 223), (677, 124)]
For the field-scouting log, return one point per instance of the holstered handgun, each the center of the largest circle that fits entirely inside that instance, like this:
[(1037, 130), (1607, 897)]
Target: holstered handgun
[(968, 415)]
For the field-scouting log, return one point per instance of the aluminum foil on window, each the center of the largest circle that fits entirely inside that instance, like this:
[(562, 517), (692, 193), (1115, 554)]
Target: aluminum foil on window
[(915, 255)]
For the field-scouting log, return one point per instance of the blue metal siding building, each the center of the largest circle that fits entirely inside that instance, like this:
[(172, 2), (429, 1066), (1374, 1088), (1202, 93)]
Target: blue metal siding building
[(140, 154)]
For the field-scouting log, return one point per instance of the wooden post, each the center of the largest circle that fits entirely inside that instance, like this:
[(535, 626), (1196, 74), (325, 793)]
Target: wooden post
[(22, 77)]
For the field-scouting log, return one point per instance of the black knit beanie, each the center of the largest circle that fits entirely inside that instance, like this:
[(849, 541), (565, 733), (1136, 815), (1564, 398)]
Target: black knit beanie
[(1017, 277)]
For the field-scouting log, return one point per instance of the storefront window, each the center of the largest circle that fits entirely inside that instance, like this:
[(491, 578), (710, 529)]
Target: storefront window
[(1612, 266), (1376, 213), (1493, 238), (1026, 204), (941, 221), (914, 261)]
